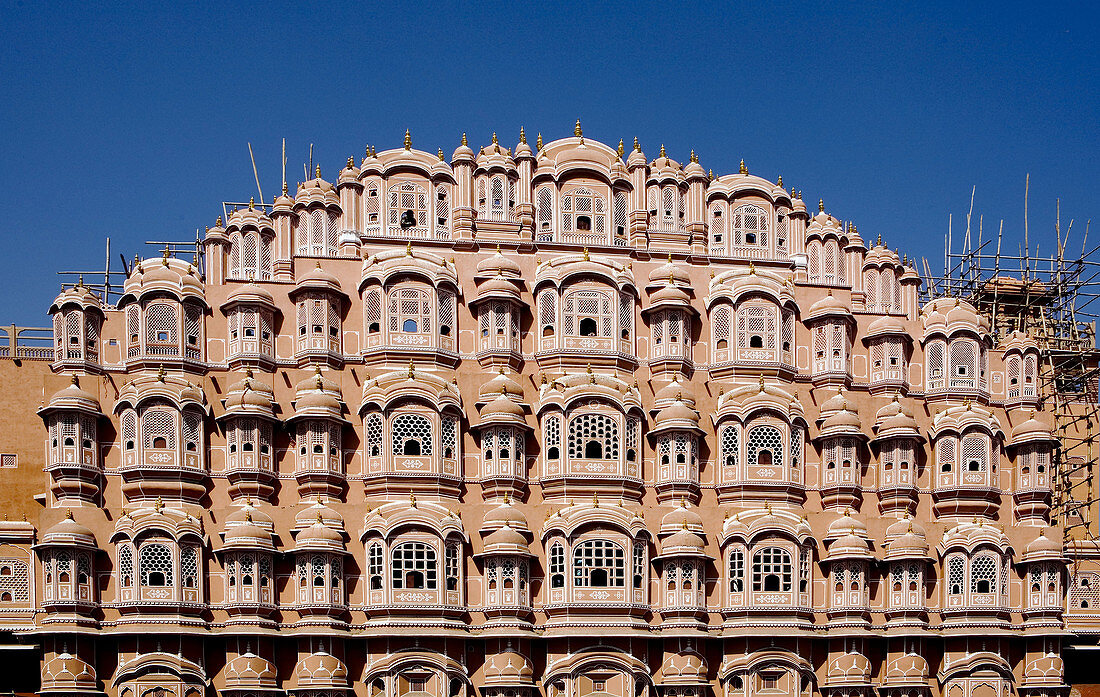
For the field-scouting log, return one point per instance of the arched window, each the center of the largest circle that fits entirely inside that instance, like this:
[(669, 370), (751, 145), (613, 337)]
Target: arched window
[(408, 206), (765, 446), (374, 566), (717, 231), (983, 574), (955, 574), (161, 327), (934, 354), (593, 437), (750, 225), (557, 565), (772, 570), (588, 313), (544, 213), (583, 211), (442, 212), (158, 427), (720, 332), (552, 429), (599, 564), (975, 453), (736, 563), (410, 311), (125, 566), (155, 565), (729, 445), (412, 435), (757, 332), (414, 566), (374, 434)]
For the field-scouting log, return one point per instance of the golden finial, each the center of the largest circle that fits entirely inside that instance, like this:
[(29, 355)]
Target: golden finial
[(464, 143), (577, 129), (710, 174), (69, 516), (637, 148), (543, 380), (412, 371), (663, 151), (408, 140), (879, 242), (440, 154), (694, 158), (409, 249), (248, 516), (538, 142), (318, 171), (164, 256), (252, 203), (585, 252), (761, 383), (495, 142), (768, 507), (284, 194), (74, 382), (351, 162), (595, 501), (820, 205), (620, 150), (160, 374), (752, 269), (412, 500), (158, 504), (522, 135)]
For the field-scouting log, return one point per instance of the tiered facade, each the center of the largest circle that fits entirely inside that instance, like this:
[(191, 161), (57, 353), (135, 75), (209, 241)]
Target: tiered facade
[(558, 420)]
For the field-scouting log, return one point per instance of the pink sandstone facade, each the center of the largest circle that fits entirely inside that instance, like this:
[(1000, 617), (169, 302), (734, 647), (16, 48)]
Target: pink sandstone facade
[(557, 420)]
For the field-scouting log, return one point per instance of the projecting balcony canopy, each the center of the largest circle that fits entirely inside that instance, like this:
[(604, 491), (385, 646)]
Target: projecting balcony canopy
[(392, 263), (390, 519)]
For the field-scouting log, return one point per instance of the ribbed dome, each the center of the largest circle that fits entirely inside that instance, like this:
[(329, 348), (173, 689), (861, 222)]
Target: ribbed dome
[(682, 542), (668, 270), (498, 264), (72, 396), (249, 671), (677, 416), (508, 668), (501, 382), (251, 294), (318, 279), (1042, 548), (846, 525), (69, 532), (321, 671), (669, 294), (505, 514), (67, 673), (681, 518)]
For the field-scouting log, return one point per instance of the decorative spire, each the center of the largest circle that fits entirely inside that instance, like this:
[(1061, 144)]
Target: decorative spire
[(284, 194), (663, 151), (495, 141), (158, 505), (577, 130), (74, 382), (318, 171), (595, 501), (538, 142), (408, 140), (412, 500), (710, 174), (412, 371), (409, 249), (780, 182), (620, 151), (69, 516), (820, 205), (637, 148), (585, 252), (744, 169), (522, 135), (351, 162), (160, 374), (440, 153), (464, 143), (694, 158)]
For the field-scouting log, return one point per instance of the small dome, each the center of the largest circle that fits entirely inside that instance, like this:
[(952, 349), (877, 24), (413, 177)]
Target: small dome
[(67, 673), (907, 670), (248, 513), (247, 534), (318, 279), (498, 264), (505, 539), (250, 396), (320, 536), (308, 516), (829, 306), (849, 547), (249, 671), (683, 542), (68, 532), (1030, 431), (1048, 670), (310, 383), (906, 539), (73, 397), (505, 514), (1042, 548), (497, 287), (684, 668), (681, 518), (677, 416), (318, 400), (841, 422), (846, 525), (669, 294), (669, 271), (250, 294), (501, 382), (502, 406), (849, 669), (886, 326), (508, 668), (673, 392), (321, 671)]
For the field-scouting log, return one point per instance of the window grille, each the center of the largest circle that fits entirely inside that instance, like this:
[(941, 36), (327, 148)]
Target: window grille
[(442, 209), (756, 321), (772, 570), (983, 575), (189, 566), (155, 558), (414, 566), (626, 315), (161, 323), (721, 324), (975, 453), (16, 583), (955, 572), (963, 365), (729, 445), (620, 212), (545, 213), (639, 562), (591, 305), (586, 429), (449, 437), (125, 565), (599, 563), (374, 434), (411, 427), (374, 562), (547, 311), (446, 312), (192, 429), (496, 198), (813, 263), (410, 311), (717, 231), (934, 356), (764, 438), (750, 225), (737, 570), (870, 290), (407, 196), (159, 424), (557, 559), (450, 565), (552, 427)]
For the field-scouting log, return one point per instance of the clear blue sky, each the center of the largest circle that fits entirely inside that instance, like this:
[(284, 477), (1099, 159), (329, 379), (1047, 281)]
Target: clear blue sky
[(132, 121)]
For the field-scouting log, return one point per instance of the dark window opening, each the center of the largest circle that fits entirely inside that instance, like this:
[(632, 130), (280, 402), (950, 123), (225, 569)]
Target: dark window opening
[(593, 450), (756, 341), (588, 327), (411, 447)]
